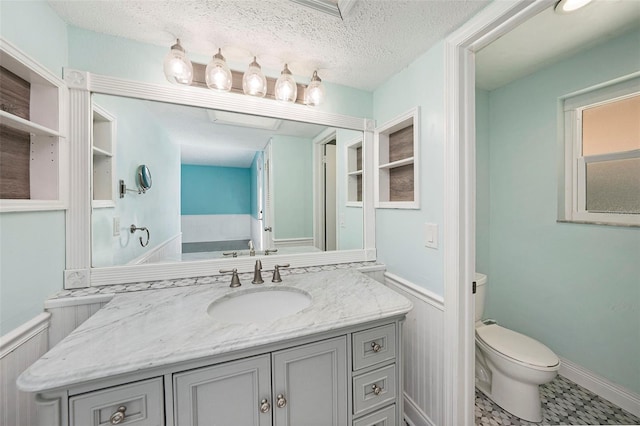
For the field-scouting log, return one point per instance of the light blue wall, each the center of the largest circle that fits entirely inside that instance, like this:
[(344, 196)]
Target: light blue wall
[(292, 165), (482, 181), (209, 190), (399, 233), (140, 140), (32, 250), (574, 287)]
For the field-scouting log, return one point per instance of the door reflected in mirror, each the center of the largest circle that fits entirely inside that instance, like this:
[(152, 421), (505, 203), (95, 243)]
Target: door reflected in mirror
[(222, 182)]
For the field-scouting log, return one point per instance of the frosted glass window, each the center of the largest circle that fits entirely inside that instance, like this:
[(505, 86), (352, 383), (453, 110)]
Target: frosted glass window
[(614, 186)]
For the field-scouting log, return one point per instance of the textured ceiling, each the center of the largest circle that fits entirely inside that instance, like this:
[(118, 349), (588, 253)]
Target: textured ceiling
[(549, 37), (376, 39)]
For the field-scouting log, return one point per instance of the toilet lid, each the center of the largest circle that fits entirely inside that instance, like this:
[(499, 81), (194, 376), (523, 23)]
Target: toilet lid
[(517, 346)]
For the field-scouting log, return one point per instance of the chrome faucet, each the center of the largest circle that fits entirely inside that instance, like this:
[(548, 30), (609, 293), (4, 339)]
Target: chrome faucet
[(257, 275), (252, 250)]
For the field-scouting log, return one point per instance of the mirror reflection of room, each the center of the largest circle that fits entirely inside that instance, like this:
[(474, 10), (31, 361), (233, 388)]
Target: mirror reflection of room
[(225, 184)]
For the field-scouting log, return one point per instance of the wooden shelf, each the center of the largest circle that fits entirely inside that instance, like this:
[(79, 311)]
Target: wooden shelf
[(396, 157), (32, 124)]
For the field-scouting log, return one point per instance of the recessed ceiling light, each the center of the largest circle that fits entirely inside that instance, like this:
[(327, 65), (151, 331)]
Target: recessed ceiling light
[(568, 6)]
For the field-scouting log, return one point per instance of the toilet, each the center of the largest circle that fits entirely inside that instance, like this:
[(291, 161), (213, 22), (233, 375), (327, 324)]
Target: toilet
[(510, 366)]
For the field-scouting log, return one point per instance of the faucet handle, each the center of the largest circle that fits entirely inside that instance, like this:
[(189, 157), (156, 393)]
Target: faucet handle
[(235, 280), (267, 251), (230, 253), (276, 273)]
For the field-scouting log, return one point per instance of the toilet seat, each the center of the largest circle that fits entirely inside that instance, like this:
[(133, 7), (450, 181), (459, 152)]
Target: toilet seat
[(517, 346)]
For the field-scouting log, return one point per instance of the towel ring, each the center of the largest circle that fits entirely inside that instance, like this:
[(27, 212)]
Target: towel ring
[(134, 228)]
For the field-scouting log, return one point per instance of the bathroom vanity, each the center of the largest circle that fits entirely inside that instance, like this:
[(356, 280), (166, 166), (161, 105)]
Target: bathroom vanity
[(317, 349)]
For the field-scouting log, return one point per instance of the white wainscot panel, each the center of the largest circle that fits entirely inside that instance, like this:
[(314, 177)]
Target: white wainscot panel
[(18, 350), (67, 314), (423, 354), (218, 227)]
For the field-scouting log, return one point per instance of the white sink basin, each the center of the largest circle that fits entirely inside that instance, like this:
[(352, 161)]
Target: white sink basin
[(259, 306)]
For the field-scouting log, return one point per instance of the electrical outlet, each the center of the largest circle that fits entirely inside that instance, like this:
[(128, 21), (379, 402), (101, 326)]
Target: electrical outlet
[(116, 226)]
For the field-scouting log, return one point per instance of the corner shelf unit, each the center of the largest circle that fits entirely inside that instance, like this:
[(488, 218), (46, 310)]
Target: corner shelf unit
[(354, 173), (397, 162), (32, 123), (103, 153)]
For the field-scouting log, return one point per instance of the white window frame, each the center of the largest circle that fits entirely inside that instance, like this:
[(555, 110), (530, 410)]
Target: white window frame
[(572, 191)]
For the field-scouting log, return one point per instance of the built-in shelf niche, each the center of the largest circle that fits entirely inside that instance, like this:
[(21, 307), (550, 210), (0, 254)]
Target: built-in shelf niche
[(103, 146), (33, 150), (397, 165), (354, 173)]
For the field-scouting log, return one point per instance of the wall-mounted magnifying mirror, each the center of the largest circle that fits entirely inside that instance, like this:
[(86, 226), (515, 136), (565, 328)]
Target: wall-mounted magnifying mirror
[(144, 178)]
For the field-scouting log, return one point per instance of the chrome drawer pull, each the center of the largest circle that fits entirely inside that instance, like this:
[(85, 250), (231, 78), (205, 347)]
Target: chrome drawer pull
[(376, 389), (376, 347), (264, 406), (280, 401), (118, 417)]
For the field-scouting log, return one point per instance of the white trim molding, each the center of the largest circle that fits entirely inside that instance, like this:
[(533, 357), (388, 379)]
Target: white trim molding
[(620, 396)]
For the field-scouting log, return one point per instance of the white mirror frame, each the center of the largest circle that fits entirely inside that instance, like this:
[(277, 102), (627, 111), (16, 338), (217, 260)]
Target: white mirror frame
[(82, 84)]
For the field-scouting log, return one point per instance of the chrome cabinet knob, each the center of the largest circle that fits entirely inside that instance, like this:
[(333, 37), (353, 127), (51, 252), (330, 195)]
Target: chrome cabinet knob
[(376, 389), (376, 347), (280, 401), (118, 417), (265, 406)]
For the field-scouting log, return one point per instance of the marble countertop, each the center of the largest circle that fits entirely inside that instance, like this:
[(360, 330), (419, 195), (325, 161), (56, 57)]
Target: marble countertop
[(154, 328)]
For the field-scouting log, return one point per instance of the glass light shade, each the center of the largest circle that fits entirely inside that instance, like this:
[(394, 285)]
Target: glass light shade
[(177, 67), (286, 87), (218, 74), (568, 6), (314, 93), (254, 82)]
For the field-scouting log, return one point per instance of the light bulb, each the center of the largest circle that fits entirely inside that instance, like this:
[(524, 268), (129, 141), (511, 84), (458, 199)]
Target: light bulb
[(177, 67), (254, 82), (314, 93), (218, 74), (286, 87)]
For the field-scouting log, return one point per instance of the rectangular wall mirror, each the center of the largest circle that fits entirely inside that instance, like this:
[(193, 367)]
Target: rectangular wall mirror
[(223, 183)]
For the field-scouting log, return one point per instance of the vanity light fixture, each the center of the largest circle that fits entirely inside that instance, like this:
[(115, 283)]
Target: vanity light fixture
[(314, 93), (286, 87), (218, 74), (177, 67), (568, 6), (254, 82)]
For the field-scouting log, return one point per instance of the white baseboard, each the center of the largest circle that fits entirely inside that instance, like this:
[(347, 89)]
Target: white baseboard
[(413, 415), (620, 396)]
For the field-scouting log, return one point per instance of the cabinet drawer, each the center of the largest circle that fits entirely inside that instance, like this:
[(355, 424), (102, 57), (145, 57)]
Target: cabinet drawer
[(374, 389), (384, 417), (374, 346), (143, 404)]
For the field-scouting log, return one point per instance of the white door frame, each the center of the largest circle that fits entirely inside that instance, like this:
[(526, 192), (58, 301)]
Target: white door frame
[(495, 20), (318, 186)]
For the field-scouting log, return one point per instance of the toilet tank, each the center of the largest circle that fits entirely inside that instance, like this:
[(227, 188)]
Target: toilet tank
[(481, 291)]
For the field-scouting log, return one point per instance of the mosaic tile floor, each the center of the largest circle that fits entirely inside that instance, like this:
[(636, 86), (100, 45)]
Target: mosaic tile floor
[(563, 403)]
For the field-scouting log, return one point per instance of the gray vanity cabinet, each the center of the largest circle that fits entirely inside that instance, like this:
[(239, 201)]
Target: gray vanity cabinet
[(309, 388), (312, 381), (224, 394)]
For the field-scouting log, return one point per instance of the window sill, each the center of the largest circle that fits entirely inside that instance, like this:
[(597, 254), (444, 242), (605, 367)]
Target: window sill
[(601, 223)]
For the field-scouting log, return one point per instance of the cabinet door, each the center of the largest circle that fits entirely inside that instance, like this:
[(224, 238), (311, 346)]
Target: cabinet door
[(312, 380), (225, 394)]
